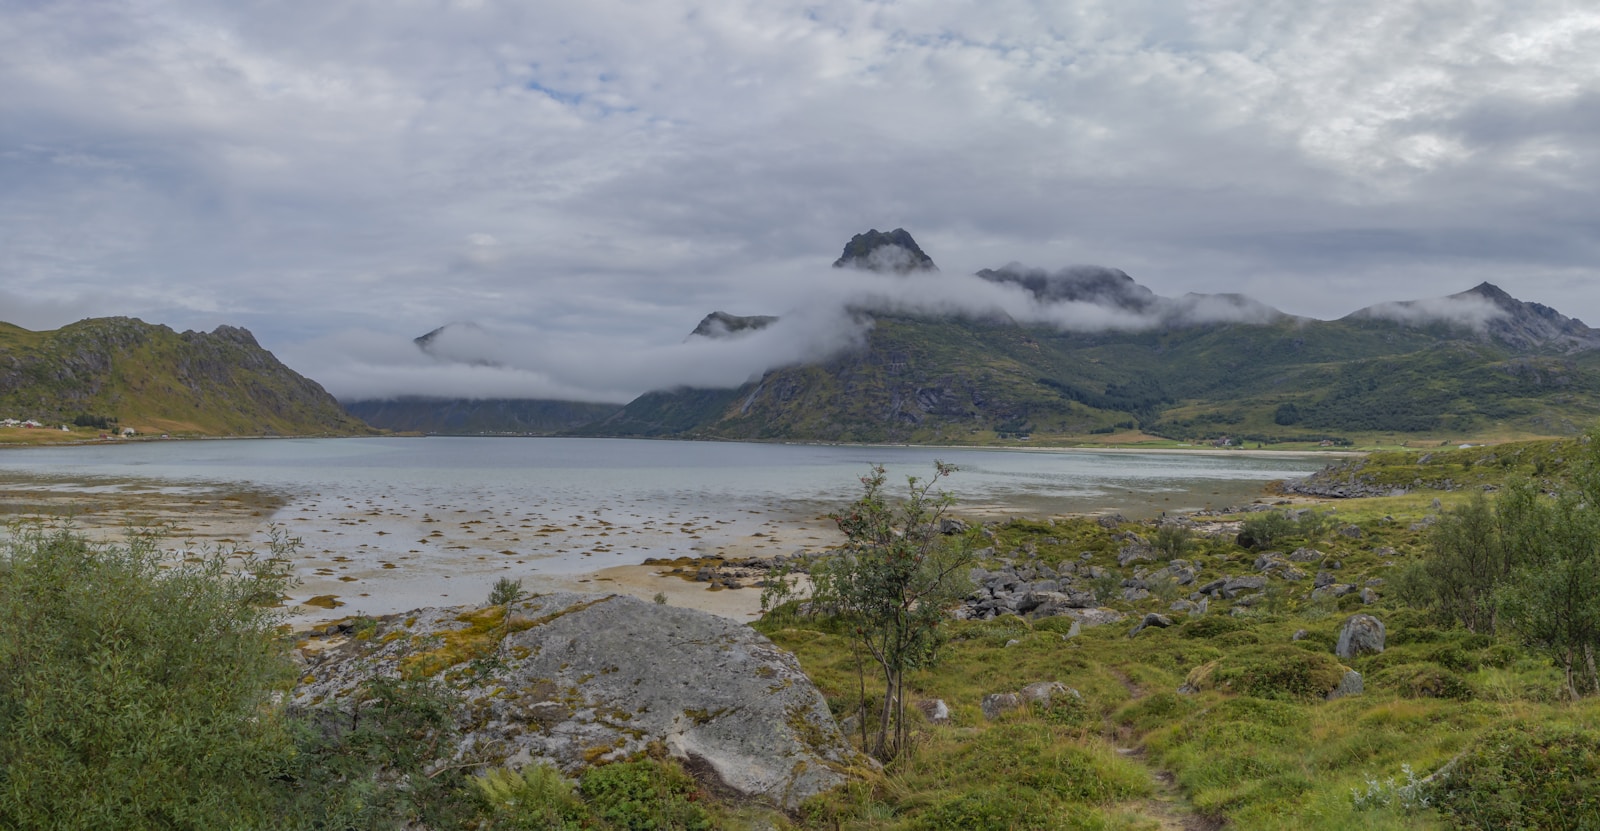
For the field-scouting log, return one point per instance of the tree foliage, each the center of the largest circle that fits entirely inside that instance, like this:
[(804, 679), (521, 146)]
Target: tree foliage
[(892, 582), (136, 693), (1529, 563)]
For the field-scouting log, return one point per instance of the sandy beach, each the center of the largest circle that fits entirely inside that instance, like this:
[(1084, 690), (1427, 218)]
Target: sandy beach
[(402, 567)]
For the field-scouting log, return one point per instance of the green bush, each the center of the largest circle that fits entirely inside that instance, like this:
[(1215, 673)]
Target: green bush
[(1422, 680), (136, 693), (645, 795), (1262, 530), (536, 799), (1277, 671), (1527, 776)]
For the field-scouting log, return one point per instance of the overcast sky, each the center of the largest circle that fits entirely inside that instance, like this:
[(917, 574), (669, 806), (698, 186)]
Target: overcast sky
[(588, 179)]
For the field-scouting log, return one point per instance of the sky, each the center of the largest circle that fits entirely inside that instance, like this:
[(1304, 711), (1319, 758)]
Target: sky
[(585, 180)]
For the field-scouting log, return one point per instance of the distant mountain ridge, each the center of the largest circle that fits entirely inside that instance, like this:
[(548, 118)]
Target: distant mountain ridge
[(156, 380), (1197, 367)]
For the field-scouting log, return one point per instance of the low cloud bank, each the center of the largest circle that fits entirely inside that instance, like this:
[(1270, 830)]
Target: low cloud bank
[(821, 313), (1465, 310)]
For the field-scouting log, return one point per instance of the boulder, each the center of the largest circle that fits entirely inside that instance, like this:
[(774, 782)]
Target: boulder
[(1360, 634), (1349, 685), (1151, 619), (996, 704), (935, 710), (1044, 693), (569, 674)]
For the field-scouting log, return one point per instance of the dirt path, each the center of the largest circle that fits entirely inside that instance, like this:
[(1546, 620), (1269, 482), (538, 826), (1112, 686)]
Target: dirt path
[(1167, 806)]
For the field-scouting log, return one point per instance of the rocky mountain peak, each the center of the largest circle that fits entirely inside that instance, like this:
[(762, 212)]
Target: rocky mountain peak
[(723, 325), (1494, 315), (894, 252), (1110, 287)]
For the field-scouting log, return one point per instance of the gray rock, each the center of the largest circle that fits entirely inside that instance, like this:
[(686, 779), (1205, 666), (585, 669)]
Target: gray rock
[(1044, 693), (1236, 585), (1331, 591), (1184, 606), (1110, 521), (1369, 597), (950, 525), (1151, 619), (1324, 578), (1351, 531), (1360, 634), (1299, 635), (1134, 595), (994, 705), (1349, 685), (1305, 555), (1133, 553), (935, 710), (579, 672), (1093, 617)]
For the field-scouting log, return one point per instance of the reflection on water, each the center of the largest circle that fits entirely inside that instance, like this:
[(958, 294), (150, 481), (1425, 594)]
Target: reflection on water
[(381, 513)]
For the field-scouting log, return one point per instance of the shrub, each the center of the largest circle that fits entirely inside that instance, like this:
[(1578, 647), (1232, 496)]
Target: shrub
[(645, 795), (536, 799), (1278, 671), (136, 693), (1526, 776), (1174, 541), (1421, 680), (1262, 530)]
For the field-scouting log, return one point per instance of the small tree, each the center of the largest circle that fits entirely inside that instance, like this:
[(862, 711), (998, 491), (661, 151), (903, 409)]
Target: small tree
[(892, 582)]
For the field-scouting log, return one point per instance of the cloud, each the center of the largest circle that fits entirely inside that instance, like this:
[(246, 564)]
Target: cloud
[(309, 169), (485, 362), (1466, 310), (831, 315)]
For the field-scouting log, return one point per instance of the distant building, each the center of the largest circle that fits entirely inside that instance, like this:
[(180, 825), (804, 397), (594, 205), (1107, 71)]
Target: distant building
[(128, 432)]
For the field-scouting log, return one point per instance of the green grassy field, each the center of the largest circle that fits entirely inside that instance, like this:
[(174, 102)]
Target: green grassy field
[(1257, 746)]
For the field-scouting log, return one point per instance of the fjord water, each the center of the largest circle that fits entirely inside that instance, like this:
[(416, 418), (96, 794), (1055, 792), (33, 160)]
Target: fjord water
[(385, 516)]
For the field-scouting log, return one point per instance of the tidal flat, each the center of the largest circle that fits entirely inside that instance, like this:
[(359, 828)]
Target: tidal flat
[(387, 525)]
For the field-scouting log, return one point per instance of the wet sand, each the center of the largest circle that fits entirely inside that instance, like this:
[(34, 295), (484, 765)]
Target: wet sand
[(372, 557)]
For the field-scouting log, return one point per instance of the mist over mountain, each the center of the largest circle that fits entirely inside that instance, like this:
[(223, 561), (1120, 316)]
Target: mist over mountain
[(722, 324), (884, 346), (1489, 311)]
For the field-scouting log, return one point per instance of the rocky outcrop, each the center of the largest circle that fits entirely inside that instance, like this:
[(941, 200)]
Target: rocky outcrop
[(1360, 634), (574, 680)]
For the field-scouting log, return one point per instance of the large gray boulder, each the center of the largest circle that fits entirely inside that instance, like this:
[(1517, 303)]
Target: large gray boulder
[(1359, 635), (576, 679)]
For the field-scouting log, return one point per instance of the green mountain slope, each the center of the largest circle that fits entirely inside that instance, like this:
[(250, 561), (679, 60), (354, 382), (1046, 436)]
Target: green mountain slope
[(1507, 369), (160, 381)]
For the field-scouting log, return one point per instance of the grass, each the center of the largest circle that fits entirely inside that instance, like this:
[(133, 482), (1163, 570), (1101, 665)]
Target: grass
[(1256, 746)]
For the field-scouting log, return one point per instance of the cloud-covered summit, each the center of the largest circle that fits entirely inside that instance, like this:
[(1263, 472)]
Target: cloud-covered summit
[(1493, 313), (895, 252)]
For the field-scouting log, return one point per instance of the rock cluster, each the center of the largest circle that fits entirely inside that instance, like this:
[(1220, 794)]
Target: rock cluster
[(1037, 590), (572, 680)]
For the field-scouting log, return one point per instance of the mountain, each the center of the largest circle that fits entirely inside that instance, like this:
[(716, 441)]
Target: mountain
[(722, 324), (1196, 367), (894, 252), (156, 380), (1490, 313), (465, 416)]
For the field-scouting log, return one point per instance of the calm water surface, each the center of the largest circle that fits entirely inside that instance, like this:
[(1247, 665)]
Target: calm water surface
[(403, 510)]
